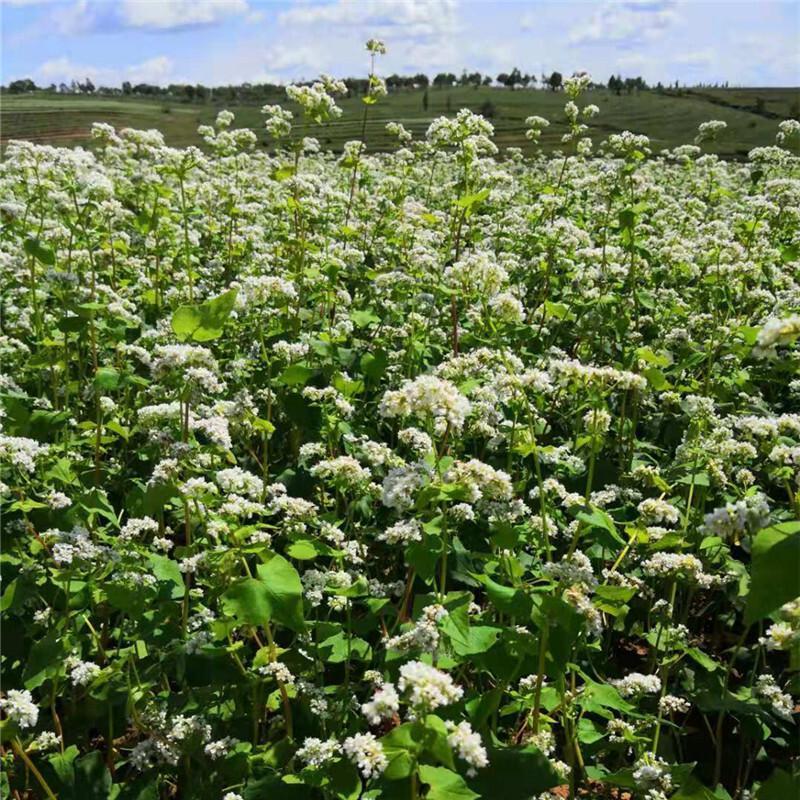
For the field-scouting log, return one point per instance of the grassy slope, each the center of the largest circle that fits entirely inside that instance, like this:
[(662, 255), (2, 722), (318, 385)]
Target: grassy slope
[(668, 120)]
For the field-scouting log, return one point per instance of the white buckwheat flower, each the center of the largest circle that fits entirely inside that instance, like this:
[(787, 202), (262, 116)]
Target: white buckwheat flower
[(428, 687), (636, 684), (366, 752), (427, 396), (385, 704), (468, 745), (19, 707), (315, 752)]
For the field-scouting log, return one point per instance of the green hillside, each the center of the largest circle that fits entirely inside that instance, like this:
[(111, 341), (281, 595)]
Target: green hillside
[(668, 119)]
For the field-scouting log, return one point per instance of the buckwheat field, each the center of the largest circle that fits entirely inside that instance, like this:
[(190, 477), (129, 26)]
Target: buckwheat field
[(442, 473)]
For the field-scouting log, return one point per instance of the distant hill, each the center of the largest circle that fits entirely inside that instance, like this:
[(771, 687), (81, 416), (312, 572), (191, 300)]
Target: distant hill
[(669, 118)]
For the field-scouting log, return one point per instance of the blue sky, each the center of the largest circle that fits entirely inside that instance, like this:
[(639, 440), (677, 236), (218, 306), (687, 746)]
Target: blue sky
[(231, 41)]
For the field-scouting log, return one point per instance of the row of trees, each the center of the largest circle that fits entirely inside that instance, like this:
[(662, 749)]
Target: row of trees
[(358, 86)]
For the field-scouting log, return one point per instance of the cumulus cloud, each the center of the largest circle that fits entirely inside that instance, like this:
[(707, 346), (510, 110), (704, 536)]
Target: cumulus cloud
[(157, 70), (179, 13), (313, 37), (629, 22), (397, 18), (97, 16)]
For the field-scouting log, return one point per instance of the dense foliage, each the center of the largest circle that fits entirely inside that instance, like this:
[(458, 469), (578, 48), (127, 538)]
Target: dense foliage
[(423, 475)]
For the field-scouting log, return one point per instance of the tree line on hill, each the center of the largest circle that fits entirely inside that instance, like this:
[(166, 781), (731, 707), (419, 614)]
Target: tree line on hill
[(256, 92)]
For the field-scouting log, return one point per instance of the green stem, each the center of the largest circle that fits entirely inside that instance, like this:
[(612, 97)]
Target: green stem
[(721, 716), (20, 751), (537, 695)]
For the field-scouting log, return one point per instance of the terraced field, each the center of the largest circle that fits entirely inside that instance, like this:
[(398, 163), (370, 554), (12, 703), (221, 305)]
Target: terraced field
[(668, 120)]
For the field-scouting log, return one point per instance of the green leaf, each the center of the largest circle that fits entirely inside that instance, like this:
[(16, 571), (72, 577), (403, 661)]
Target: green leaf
[(27, 505), (62, 764), (41, 252), (779, 786), (349, 388), (167, 572), (62, 471), (775, 575), (248, 601), (373, 365), (45, 660), (479, 639), (656, 359), (96, 503), (402, 747), (704, 660), (120, 430), (106, 378), (612, 599), (340, 647), (283, 173), (9, 595), (615, 594), (156, 496), (435, 740), (84, 778), (445, 784), (285, 592), (273, 787), (469, 200), (296, 375), (72, 323), (657, 379), (598, 518), (484, 705), (521, 772), (204, 322), (506, 599), (363, 318), (627, 218), (557, 310), (620, 778), (44, 424), (589, 732), (597, 696), (565, 625), (343, 780), (92, 778), (693, 789), (424, 556), (263, 425), (143, 788), (302, 550)]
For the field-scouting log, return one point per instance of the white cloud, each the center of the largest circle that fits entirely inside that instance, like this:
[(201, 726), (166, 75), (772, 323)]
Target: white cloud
[(303, 58), (179, 13), (626, 22), (79, 17), (773, 60), (154, 70), (93, 16), (394, 18)]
